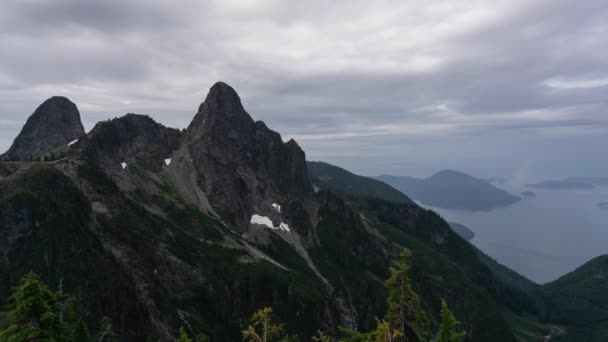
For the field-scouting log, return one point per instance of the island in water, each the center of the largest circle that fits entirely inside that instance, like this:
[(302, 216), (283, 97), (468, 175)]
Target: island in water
[(570, 183)]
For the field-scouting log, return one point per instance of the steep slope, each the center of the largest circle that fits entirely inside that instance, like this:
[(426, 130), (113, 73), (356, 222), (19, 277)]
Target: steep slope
[(341, 180), (452, 190), (55, 123), (244, 167), (579, 300), (158, 228), (462, 230)]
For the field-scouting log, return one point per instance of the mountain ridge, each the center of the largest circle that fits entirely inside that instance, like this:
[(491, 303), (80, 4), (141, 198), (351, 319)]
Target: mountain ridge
[(450, 189)]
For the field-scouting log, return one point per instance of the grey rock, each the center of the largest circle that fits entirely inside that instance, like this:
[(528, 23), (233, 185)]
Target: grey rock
[(243, 166), (54, 124)]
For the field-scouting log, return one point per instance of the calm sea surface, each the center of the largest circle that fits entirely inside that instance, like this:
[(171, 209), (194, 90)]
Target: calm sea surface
[(542, 237)]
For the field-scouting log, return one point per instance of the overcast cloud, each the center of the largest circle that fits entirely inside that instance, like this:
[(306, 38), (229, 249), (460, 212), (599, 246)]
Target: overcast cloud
[(494, 88)]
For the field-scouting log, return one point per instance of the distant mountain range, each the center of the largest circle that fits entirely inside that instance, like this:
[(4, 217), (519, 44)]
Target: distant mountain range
[(451, 189), (571, 183)]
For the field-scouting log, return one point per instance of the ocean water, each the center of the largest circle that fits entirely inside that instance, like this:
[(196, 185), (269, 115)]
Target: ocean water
[(542, 237)]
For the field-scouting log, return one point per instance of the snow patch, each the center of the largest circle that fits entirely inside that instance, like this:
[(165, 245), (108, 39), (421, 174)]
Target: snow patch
[(168, 161), (72, 142), (262, 220), (124, 165), (276, 207), (316, 189), (265, 221)]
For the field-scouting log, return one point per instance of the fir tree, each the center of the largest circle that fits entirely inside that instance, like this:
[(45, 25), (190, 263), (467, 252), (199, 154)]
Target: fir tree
[(183, 336), (262, 329), (382, 333), (202, 338), (405, 314), (321, 337), (448, 330), (106, 331), (33, 313), (81, 332)]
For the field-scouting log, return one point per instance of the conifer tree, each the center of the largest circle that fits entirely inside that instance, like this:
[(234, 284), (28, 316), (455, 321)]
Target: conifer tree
[(33, 313), (202, 338), (405, 313), (106, 331), (81, 332), (262, 329), (321, 337), (183, 336), (448, 330)]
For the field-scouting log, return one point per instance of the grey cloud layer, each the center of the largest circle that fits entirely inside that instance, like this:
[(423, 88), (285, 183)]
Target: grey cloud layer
[(460, 84)]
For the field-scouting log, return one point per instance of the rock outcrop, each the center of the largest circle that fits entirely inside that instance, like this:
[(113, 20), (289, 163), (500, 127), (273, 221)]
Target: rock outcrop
[(55, 123), (244, 167)]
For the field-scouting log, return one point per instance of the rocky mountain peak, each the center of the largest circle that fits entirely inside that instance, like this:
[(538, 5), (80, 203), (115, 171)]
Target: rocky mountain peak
[(55, 123), (244, 166), (222, 112)]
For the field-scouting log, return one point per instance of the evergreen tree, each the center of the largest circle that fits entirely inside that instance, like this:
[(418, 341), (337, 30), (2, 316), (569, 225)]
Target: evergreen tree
[(262, 329), (202, 338), (405, 314), (183, 336), (321, 337), (33, 313), (382, 333), (448, 330), (349, 335), (81, 332), (106, 331)]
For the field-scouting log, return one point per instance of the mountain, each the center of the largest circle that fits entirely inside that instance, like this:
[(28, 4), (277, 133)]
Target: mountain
[(343, 181), (55, 123), (571, 183), (160, 228), (579, 300), (452, 190)]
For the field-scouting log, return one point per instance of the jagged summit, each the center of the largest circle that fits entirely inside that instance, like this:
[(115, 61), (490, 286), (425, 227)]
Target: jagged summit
[(56, 122), (243, 165), (222, 112)]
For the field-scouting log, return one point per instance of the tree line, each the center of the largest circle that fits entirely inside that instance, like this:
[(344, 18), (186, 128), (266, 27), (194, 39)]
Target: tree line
[(35, 313)]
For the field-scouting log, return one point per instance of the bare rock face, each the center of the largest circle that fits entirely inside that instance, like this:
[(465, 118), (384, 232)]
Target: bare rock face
[(244, 167), (132, 138), (55, 123)]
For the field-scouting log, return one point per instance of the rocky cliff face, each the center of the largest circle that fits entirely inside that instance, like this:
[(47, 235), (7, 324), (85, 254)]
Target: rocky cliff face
[(55, 123), (244, 167)]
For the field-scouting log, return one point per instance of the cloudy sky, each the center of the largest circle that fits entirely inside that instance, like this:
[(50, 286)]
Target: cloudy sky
[(495, 88)]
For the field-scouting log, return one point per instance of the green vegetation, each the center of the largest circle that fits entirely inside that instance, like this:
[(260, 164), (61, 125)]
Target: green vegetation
[(341, 180), (35, 313), (405, 314), (579, 301), (183, 337), (262, 329), (448, 331)]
